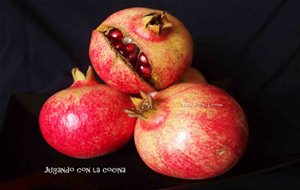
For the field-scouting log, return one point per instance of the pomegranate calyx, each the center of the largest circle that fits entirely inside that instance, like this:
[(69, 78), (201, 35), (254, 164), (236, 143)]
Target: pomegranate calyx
[(142, 106), (90, 74), (83, 80), (157, 21), (77, 75)]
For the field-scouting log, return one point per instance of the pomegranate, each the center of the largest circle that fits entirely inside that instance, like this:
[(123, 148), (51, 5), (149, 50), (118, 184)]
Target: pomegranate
[(189, 131), (141, 49), (87, 119), (193, 75)]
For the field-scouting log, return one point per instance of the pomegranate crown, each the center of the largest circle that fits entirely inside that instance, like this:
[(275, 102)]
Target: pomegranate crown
[(157, 21), (80, 79), (143, 106)]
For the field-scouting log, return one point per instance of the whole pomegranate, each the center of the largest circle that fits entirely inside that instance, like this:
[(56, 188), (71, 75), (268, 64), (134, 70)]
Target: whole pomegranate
[(141, 49), (189, 131), (87, 119)]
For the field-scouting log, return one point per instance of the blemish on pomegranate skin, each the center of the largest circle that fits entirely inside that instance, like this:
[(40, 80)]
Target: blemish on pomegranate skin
[(222, 150)]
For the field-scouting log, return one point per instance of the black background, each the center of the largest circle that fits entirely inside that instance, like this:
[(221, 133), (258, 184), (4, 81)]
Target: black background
[(253, 45)]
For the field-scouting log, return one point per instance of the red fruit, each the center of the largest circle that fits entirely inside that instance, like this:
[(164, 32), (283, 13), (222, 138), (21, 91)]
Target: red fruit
[(87, 119), (165, 42), (189, 131)]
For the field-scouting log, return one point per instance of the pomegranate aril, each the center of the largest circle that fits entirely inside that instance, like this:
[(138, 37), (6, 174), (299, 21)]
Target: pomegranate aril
[(132, 57), (144, 71), (143, 66), (143, 60), (117, 45), (115, 34), (129, 48), (131, 52)]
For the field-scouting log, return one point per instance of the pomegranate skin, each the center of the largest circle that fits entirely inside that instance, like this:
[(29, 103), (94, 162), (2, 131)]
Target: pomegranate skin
[(193, 75), (169, 53), (86, 120), (196, 131)]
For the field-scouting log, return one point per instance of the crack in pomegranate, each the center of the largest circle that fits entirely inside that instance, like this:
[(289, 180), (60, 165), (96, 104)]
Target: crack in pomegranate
[(128, 49)]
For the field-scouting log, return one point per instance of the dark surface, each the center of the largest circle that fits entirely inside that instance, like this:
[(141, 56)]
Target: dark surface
[(251, 48)]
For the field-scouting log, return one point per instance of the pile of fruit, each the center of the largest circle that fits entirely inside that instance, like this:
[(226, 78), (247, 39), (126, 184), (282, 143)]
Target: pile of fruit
[(182, 126)]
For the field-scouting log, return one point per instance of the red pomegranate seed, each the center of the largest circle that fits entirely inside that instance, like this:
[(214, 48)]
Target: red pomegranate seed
[(129, 48), (143, 66), (143, 60), (115, 34), (117, 45), (132, 57), (144, 71)]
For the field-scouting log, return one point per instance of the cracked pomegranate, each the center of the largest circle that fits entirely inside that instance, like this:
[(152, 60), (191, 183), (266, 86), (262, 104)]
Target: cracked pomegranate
[(189, 131), (87, 119), (141, 49)]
